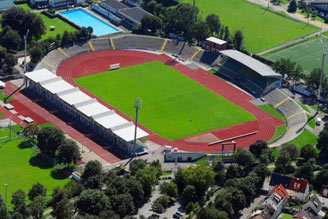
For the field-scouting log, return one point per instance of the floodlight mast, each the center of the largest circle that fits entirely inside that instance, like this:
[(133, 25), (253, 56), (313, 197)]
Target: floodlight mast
[(137, 106), (25, 43), (321, 73), (193, 12)]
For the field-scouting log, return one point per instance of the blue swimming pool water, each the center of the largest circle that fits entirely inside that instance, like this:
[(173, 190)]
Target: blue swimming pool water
[(85, 19)]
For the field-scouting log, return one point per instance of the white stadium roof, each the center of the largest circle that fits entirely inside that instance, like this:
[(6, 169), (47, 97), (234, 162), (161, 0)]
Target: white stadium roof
[(126, 132), (40, 75), (262, 69), (85, 104), (216, 40), (92, 109), (56, 85)]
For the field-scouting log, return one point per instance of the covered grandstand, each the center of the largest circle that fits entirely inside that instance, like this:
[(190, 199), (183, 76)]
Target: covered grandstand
[(87, 111), (247, 72)]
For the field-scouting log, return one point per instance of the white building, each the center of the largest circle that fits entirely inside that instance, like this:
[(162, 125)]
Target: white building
[(85, 110)]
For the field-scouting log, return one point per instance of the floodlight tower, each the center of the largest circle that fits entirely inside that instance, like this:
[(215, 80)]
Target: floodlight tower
[(25, 43), (137, 106), (321, 73)]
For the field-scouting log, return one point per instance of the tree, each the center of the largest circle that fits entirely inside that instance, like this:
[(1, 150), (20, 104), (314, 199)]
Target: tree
[(152, 23), (238, 40), (214, 24), (308, 151), (244, 157), (65, 39), (248, 186), (283, 163), (31, 131), (92, 202), (122, 204), (218, 166), (201, 177), (37, 207), (91, 176), (37, 190), (262, 171), (137, 164), (147, 177), (36, 54), (10, 61), (284, 66), (49, 139), (305, 171), (3, 209), (220, 178), (292, 150), (169, 188), (322, 140), (292, 7), (258, 147), (267, 156), (313, 80), (199, 32), (69, 152), (321, 179), (19, 203), (11, 40), (237, 199), (211, 213), (62, 207), (17, 215), (189, 194), (109, 214), (232, 171)]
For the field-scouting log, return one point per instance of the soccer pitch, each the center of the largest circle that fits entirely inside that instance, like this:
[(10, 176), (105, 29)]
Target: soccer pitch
[(308, 54), (173, 105), (262, 29)]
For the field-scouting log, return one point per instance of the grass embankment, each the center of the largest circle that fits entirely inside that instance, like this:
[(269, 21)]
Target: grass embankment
[(173, 105)]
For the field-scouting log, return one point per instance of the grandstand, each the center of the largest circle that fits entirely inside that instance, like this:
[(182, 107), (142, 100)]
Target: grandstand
[(138, 42), (87, 111), (247, 72)]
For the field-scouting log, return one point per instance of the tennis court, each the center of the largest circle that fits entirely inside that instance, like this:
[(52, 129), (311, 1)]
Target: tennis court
[(308, 54)]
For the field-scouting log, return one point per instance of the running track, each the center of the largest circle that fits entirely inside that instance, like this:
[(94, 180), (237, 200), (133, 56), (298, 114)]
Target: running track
[(99, 61)]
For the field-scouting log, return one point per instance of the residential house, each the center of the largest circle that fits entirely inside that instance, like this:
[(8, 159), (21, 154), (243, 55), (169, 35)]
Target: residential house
[(297, 188), (311, 209)]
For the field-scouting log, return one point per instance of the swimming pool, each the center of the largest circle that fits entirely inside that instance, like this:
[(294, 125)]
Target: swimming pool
[(85, 19)]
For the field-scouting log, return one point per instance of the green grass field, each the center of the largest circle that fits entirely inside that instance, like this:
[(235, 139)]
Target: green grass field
[(308, 54), (173, 105), (262, 29), (60, 26), (305, 138), (303, 106), (20, 169), (25, 6), (278, 132), (269, 109), (311, 123)]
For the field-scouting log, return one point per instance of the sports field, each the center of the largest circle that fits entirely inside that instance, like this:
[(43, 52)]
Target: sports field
[(20, 169), (173, 105), (262, 29), (308, 54)]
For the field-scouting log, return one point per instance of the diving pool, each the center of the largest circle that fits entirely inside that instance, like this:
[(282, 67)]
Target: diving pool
[(85, 19)]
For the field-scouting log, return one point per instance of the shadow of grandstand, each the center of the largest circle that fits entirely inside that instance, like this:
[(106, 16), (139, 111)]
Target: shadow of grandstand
[(77, 126), (171, 62), (208, 57)]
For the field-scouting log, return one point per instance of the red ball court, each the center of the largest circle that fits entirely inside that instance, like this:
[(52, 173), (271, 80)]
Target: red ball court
[(99, 61)]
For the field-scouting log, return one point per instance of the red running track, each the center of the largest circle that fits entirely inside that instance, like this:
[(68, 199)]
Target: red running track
[(99, 61)]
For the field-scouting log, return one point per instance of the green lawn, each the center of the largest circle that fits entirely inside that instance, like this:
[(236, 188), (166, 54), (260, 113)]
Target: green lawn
[(287, 216), (173, 105), (25, 6), (311, 123), (2, 97), (278, 132), (303, 106), (305, 138), (20, 169), (60, 26), (262, 29), (308, 54), (269, 109)]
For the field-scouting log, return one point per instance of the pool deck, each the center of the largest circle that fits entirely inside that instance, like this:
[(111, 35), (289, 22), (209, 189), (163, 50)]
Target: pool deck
[(120, 29)]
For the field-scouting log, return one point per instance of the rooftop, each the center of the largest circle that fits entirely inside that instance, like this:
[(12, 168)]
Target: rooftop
[(92, 109), (115, 4), (56, 85), (74, 97), (262, 69), (216, 40), (111, 120), (135, 14), (40, 75), (126, 132)]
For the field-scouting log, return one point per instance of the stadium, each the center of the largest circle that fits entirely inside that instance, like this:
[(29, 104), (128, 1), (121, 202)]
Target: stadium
[(193, 110)]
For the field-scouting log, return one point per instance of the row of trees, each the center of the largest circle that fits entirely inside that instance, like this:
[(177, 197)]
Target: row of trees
[(180, 20)]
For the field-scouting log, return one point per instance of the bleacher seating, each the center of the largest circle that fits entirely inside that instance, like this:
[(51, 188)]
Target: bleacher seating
[(138, 42), (101, 43), (293, 113), (206, 57), (77, 48), (173, 47)]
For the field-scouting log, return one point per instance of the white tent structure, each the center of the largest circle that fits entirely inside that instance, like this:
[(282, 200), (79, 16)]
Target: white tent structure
[(87, 111)]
